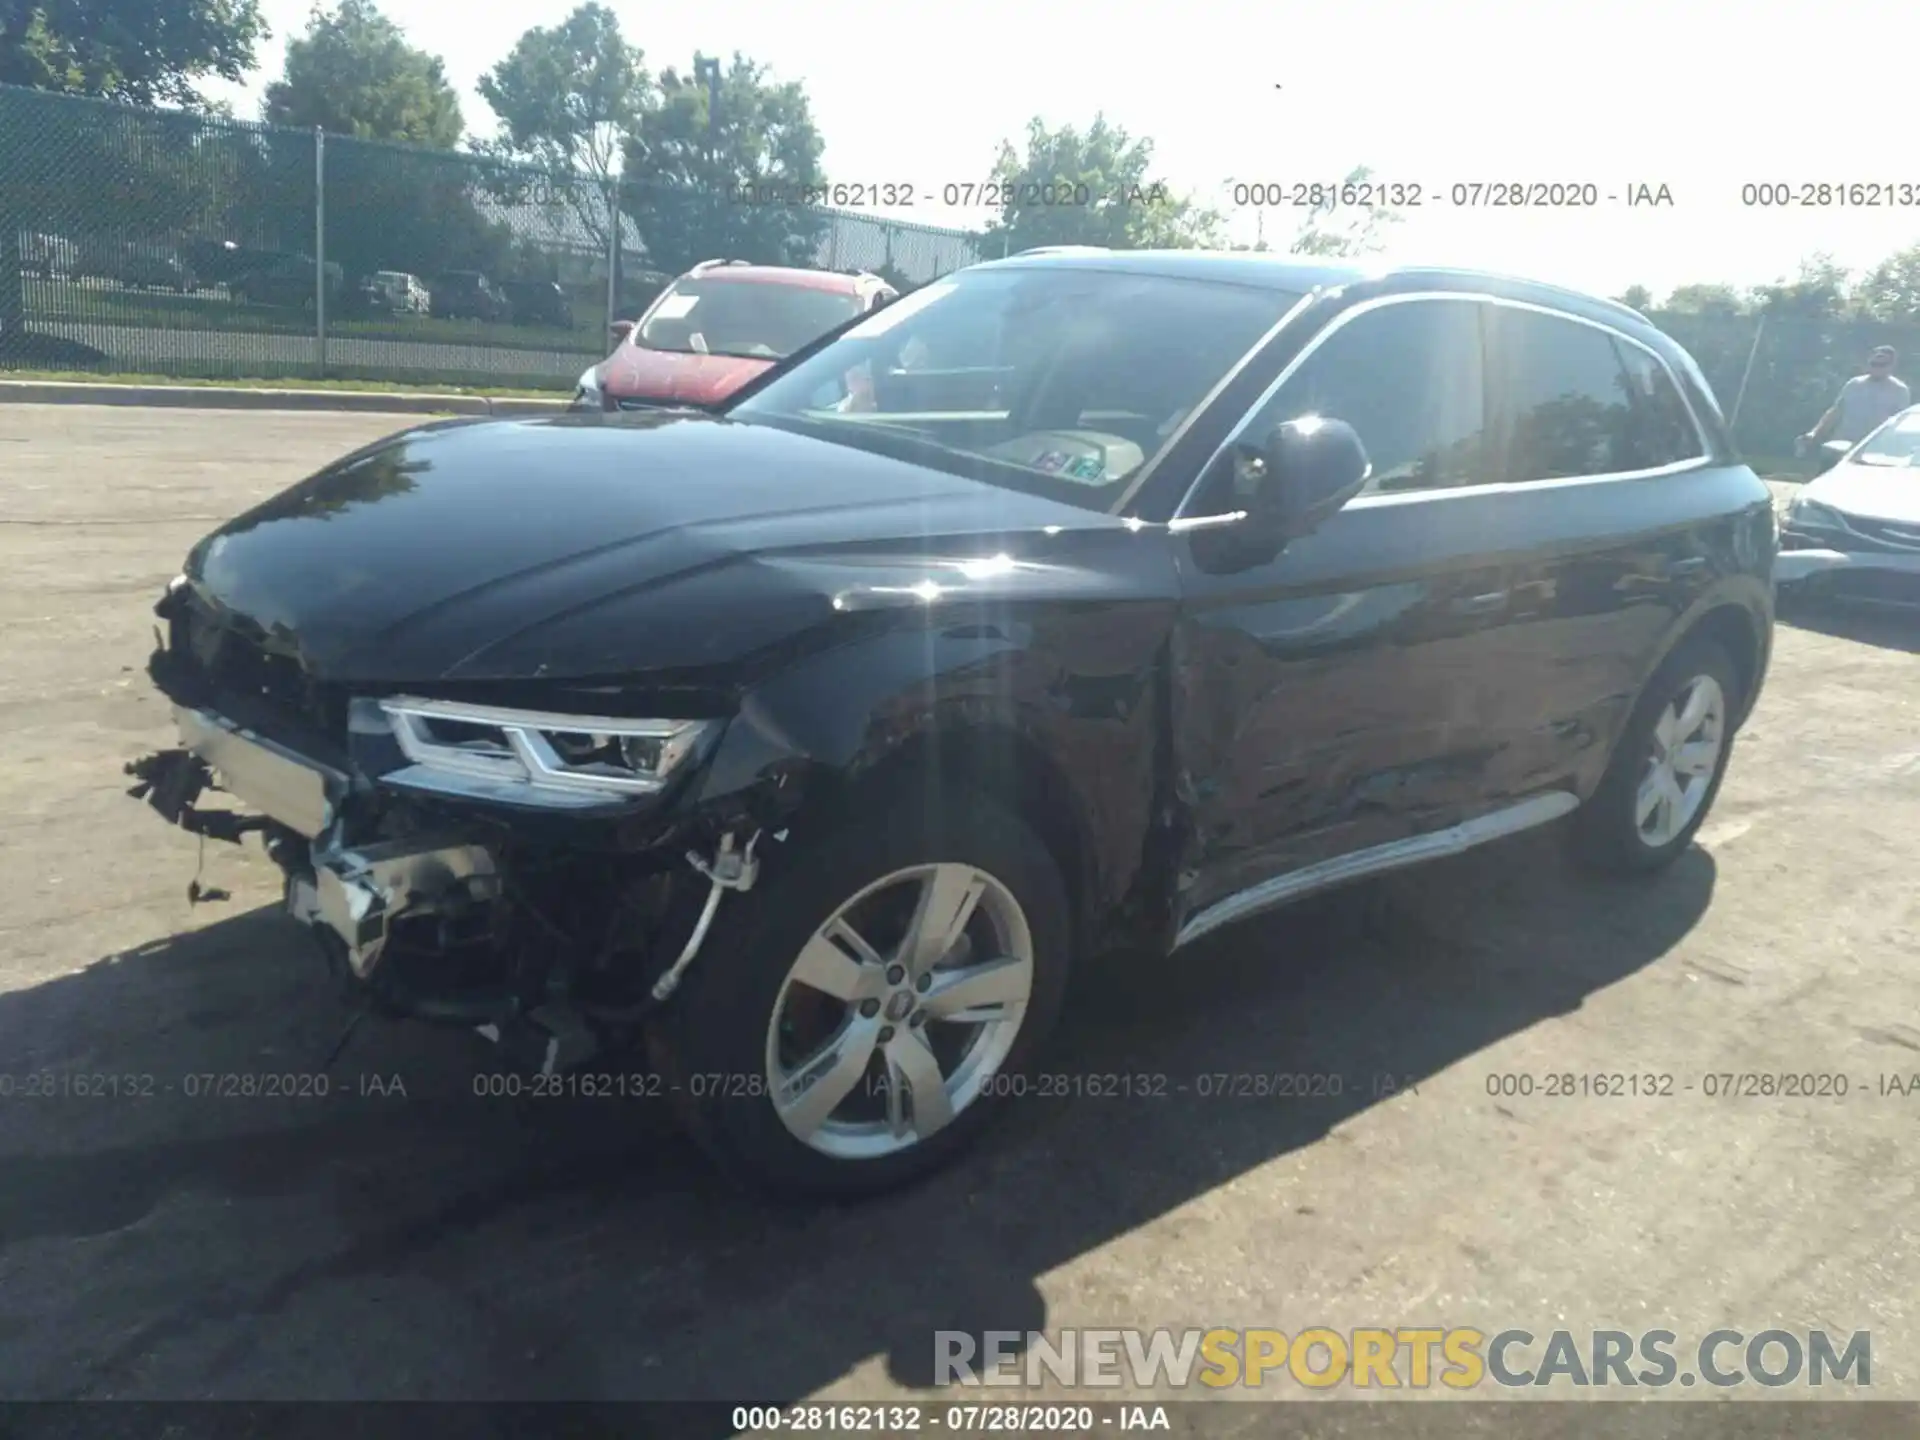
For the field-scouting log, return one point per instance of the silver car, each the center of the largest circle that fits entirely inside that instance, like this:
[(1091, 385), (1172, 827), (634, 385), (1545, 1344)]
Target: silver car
[(1854, 532), (402, 293)]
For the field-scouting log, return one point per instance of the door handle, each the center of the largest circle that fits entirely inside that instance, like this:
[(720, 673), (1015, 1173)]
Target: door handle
[(1481, 604), (1692, 565)]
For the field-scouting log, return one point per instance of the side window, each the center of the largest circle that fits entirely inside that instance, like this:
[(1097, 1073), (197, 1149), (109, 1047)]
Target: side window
[(1664, 432), (1407, 378), (1561, 401)]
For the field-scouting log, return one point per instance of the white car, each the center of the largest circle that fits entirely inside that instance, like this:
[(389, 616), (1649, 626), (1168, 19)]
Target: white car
[(1854, 532), (47, 255)]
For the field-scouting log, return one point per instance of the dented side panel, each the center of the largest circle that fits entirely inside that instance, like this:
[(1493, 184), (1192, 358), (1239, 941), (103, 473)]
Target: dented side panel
[(1075, 688), (1335, 699)]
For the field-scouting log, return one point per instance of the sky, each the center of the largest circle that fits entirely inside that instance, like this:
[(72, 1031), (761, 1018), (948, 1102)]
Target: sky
[(1703, 98)]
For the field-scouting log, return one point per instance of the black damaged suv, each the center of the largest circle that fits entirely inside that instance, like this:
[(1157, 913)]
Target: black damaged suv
[(1074, 600)]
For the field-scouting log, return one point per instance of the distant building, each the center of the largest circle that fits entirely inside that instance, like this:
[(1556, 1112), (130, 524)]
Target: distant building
[(567, 223), (914, 253)]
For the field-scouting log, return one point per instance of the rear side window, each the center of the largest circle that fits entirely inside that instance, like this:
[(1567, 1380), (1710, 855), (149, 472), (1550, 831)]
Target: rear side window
[(1407, 378), (1562, 402), (1664, 433)]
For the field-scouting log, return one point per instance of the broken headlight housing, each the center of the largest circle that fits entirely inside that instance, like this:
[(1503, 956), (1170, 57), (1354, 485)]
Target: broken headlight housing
[(1811, 513), (530, 757)]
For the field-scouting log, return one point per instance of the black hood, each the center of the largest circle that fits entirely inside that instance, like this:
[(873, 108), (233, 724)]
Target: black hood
[(605, 546)]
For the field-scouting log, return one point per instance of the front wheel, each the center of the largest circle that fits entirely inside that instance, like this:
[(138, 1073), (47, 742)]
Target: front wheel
[(1668, 765), (852, 1021)]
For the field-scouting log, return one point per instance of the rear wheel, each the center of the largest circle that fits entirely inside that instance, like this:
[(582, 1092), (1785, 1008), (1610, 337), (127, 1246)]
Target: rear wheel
[(848, 1027), (1668, 765)]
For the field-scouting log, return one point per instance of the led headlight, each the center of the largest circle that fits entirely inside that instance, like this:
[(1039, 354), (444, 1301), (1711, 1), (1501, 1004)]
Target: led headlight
[(587, 394), (532, 757)]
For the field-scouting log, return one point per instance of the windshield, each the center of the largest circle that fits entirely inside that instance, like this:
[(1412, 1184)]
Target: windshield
[(1898, 442), (743, 317), (1060, 381)]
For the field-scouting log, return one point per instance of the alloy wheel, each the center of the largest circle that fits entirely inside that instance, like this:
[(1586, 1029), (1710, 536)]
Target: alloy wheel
[(895, 1016), (1682, 759)]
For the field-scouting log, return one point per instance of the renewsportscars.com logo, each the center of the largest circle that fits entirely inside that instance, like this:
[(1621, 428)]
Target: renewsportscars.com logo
[(1414, 1358)]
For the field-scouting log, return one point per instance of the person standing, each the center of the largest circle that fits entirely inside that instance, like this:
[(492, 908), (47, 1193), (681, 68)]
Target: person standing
[(1865, 402)]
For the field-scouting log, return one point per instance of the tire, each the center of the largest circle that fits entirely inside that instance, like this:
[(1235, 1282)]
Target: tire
[(716, 1045), (1608, 831)]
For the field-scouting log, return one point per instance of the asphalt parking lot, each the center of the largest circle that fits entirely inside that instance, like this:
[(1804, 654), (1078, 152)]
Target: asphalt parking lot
[(403, 1237)]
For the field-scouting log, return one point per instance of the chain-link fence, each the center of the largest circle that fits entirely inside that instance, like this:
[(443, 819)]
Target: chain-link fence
[(1782, 371), (145, 242), (150, 242)]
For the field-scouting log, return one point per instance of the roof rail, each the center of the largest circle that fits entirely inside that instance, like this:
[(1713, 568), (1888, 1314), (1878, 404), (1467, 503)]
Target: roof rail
[(1066, 250), (706, 265)]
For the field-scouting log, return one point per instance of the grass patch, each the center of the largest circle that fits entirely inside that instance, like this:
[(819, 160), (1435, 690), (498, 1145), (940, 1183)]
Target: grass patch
[(385, 387), (80, 305)]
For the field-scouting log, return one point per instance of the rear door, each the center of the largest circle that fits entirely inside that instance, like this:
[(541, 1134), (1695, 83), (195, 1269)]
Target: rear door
[(1608, 526)]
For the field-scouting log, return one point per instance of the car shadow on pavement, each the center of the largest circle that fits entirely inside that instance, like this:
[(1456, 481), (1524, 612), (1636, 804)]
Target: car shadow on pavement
[(167, 1236), (1888, 628)]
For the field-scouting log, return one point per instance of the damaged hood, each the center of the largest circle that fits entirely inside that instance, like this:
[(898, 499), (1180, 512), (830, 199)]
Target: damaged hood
[(604, 546), (1880, 492)]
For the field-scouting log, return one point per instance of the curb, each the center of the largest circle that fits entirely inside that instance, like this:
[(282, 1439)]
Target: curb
[(215, 397)]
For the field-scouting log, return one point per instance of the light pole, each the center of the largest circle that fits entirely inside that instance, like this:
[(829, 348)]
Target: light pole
[(707, 71)]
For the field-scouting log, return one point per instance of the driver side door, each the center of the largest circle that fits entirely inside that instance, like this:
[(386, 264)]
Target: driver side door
[(1334, 699)]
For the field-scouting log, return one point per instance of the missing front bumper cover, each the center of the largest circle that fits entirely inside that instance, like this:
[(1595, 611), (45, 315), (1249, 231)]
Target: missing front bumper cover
[(358, 894), (171, 780)]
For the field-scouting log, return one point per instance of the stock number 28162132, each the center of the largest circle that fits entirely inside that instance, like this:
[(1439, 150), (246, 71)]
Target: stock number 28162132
[(1570, 1084), (1329, 194), (1074, 1085)]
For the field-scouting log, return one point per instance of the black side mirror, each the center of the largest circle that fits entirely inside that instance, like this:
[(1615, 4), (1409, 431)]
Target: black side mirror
[(1303, 473), (1313, 467)]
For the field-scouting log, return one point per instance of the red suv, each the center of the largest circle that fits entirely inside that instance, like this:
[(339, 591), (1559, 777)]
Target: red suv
[(718, 326)]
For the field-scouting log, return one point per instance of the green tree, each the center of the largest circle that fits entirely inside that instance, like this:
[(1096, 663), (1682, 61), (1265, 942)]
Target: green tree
[(1890, 292), (393, 207), (1636, 297), (147, 52), (1337, 229), (389, 206), (1091, 187), (567, 98), (353, 73), (1817, 292), (144, 51), (721, 164), (1800, 352), (1715, 300)]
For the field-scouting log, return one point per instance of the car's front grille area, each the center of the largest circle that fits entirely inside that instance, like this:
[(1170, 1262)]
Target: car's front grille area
[(1878, 587), (1895, 536), (1854, 533)]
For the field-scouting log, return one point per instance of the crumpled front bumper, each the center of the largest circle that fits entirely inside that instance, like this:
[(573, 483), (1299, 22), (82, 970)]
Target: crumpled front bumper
[(353, 892)]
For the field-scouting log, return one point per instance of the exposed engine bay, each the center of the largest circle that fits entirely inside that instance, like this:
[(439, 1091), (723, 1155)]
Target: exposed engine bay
[(553, 940)]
